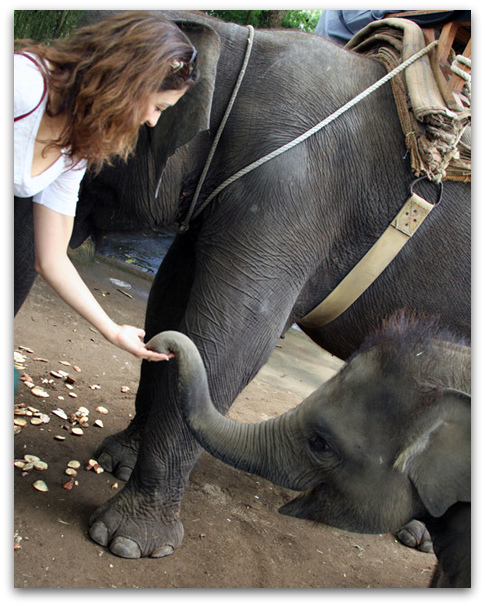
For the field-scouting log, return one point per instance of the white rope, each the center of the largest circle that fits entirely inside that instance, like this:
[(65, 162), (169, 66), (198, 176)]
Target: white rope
[(460, 72), (185, 225), (312, 131)]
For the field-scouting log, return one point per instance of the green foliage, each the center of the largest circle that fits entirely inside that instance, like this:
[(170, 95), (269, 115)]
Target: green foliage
[(240, 17), (43, 26), (305, 20)]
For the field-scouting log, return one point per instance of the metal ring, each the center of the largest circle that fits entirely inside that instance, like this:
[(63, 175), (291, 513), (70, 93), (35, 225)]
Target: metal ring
[(425, 177)]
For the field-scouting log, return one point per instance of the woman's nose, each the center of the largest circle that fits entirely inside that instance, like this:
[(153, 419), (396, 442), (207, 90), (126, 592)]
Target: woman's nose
[(151, 118)]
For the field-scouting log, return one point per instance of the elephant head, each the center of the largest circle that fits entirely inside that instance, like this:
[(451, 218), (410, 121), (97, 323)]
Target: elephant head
[(384, 441)]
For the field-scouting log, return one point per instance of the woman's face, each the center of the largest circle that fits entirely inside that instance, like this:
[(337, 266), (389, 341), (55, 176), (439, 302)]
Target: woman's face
[(158, 102)]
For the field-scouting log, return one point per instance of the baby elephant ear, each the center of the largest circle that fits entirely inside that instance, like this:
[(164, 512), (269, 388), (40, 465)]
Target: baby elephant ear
[(441, 468)]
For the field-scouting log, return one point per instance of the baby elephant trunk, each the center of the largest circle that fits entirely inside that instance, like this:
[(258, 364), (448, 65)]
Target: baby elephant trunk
[(262, 449)]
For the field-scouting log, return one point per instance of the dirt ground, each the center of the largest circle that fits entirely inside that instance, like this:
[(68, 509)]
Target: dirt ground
[(234, 535)]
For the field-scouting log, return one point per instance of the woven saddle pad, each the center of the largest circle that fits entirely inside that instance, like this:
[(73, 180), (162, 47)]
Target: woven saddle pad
[(436, 127)]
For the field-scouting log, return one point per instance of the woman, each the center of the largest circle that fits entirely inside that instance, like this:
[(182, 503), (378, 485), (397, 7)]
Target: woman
[(79, 104)]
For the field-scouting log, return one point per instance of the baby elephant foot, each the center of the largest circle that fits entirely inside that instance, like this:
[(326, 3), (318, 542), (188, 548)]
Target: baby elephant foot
[(117, 453), (134, 526), (415, 535)]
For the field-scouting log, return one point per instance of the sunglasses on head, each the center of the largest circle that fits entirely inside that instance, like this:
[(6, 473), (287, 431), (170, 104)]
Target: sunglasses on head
[(190, 65)]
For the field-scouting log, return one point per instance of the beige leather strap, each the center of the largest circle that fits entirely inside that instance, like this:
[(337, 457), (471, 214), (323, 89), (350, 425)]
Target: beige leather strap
[(405, 224)]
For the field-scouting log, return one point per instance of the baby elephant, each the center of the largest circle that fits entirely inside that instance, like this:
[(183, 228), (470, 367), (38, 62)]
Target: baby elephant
[(385, 441)]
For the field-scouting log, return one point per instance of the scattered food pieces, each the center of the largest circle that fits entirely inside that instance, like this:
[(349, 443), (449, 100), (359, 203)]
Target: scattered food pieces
[(31, 458), (27, 349), (60, 413), (73, 423), (30, 462), (39, 392), (56, 374), (18, 358), (94, 465), (41, 486), (69, 484)]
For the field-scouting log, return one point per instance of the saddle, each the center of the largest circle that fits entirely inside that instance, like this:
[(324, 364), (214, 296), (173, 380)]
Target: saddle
[(434, 110)]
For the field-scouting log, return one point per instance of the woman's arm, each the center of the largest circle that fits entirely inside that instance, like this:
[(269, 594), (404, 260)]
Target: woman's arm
[(52, 234)]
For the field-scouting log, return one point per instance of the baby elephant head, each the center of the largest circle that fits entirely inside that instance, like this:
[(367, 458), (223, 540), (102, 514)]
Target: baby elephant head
[(384, 441)]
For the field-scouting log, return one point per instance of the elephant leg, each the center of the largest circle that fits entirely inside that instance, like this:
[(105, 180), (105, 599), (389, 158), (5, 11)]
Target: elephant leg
[(415, 535), (24, 255), (166, 304), (143, 519)]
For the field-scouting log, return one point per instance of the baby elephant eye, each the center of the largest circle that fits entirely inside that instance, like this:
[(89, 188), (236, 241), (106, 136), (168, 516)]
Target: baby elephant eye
[(317, 444)]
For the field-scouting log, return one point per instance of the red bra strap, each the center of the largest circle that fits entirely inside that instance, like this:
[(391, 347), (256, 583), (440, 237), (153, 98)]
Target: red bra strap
[(43, 94)]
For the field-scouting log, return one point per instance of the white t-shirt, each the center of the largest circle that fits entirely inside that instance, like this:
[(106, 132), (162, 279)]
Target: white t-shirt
[(58, 186)]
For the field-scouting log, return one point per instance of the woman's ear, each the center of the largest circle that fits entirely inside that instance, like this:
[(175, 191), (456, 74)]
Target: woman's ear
[(440, 465), (191, 114)]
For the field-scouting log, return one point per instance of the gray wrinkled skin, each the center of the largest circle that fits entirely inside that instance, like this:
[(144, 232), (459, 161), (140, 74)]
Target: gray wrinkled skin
[(388, 439)]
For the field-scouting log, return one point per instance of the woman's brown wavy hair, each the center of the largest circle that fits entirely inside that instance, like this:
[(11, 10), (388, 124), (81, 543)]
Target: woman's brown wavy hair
[(103, 74)]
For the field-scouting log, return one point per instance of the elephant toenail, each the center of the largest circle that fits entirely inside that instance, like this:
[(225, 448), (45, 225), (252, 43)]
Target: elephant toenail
[(125, 548), (123, 473), (106, 462), (99, 533), (161, 552), (426, 547)]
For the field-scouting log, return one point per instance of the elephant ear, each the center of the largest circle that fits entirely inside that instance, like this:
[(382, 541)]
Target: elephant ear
[(191, 114), (441, 468)]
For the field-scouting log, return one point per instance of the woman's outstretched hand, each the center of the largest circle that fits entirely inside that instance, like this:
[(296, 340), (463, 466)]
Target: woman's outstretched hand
[(52, 235), (130, 339)]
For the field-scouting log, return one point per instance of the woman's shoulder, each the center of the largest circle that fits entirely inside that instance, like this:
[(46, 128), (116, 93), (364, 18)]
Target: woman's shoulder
[(28, 84)]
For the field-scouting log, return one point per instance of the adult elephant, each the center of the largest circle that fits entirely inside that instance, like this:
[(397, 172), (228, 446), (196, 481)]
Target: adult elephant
[(268, 248)]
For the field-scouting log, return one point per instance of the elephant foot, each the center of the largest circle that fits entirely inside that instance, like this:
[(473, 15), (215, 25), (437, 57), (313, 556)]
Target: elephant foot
[(135, 526), (117, 454), (415, 535)]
